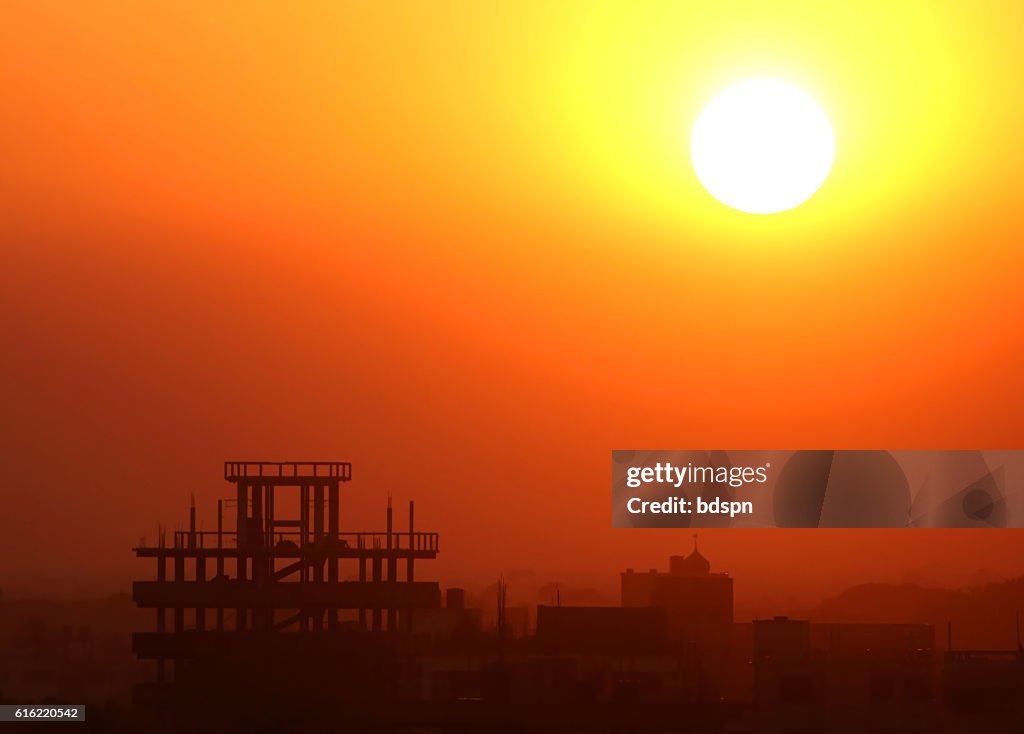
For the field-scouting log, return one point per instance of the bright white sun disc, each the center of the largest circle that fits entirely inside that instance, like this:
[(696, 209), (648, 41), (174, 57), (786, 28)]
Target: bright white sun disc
[(762, 147)]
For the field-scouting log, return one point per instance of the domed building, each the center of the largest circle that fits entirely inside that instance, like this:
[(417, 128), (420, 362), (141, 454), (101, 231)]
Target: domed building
[(692, 565), (698, 602)]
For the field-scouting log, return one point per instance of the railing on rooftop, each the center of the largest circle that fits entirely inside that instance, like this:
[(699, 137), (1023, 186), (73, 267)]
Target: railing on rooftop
[(234, 470), (426, 542)]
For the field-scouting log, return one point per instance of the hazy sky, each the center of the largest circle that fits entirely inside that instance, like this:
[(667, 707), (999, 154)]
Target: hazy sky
[(466, 251)]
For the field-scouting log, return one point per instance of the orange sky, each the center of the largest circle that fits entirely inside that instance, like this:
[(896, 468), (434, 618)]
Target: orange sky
[(462, 247)]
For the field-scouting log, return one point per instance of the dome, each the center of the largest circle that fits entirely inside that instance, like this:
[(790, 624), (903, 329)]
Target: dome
[(693, 565), (696, 565)]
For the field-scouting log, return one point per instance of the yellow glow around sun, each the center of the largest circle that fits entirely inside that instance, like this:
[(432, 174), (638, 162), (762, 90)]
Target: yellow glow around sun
[(762, 147)]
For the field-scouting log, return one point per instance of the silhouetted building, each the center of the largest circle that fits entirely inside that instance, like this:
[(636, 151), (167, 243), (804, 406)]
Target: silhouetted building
[(844, 677), (517, 621), (983, 690), (280, 611), (455, 598), (602, 630), (453, 623), (698, 603), (262, 608)]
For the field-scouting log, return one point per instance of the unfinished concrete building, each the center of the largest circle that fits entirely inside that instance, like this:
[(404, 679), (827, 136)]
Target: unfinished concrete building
[(279, 586)]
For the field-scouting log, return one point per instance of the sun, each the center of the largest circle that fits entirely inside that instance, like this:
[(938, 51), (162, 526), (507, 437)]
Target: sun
[(762, 146)]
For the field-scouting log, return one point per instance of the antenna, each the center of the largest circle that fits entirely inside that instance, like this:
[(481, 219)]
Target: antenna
[(192, 521), (502, 599)]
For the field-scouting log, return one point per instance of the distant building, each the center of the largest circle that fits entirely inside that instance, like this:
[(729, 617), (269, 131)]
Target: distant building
[(454, 621), (517, 621), (782, 640), (602, 630), (875, 640), (850, 677), (698, 603), (983, 690)]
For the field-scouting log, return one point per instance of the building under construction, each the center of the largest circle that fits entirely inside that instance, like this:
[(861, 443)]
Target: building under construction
[(280, 597)]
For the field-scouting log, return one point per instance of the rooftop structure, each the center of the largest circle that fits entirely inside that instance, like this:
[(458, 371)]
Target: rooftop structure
[(271, 576)]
